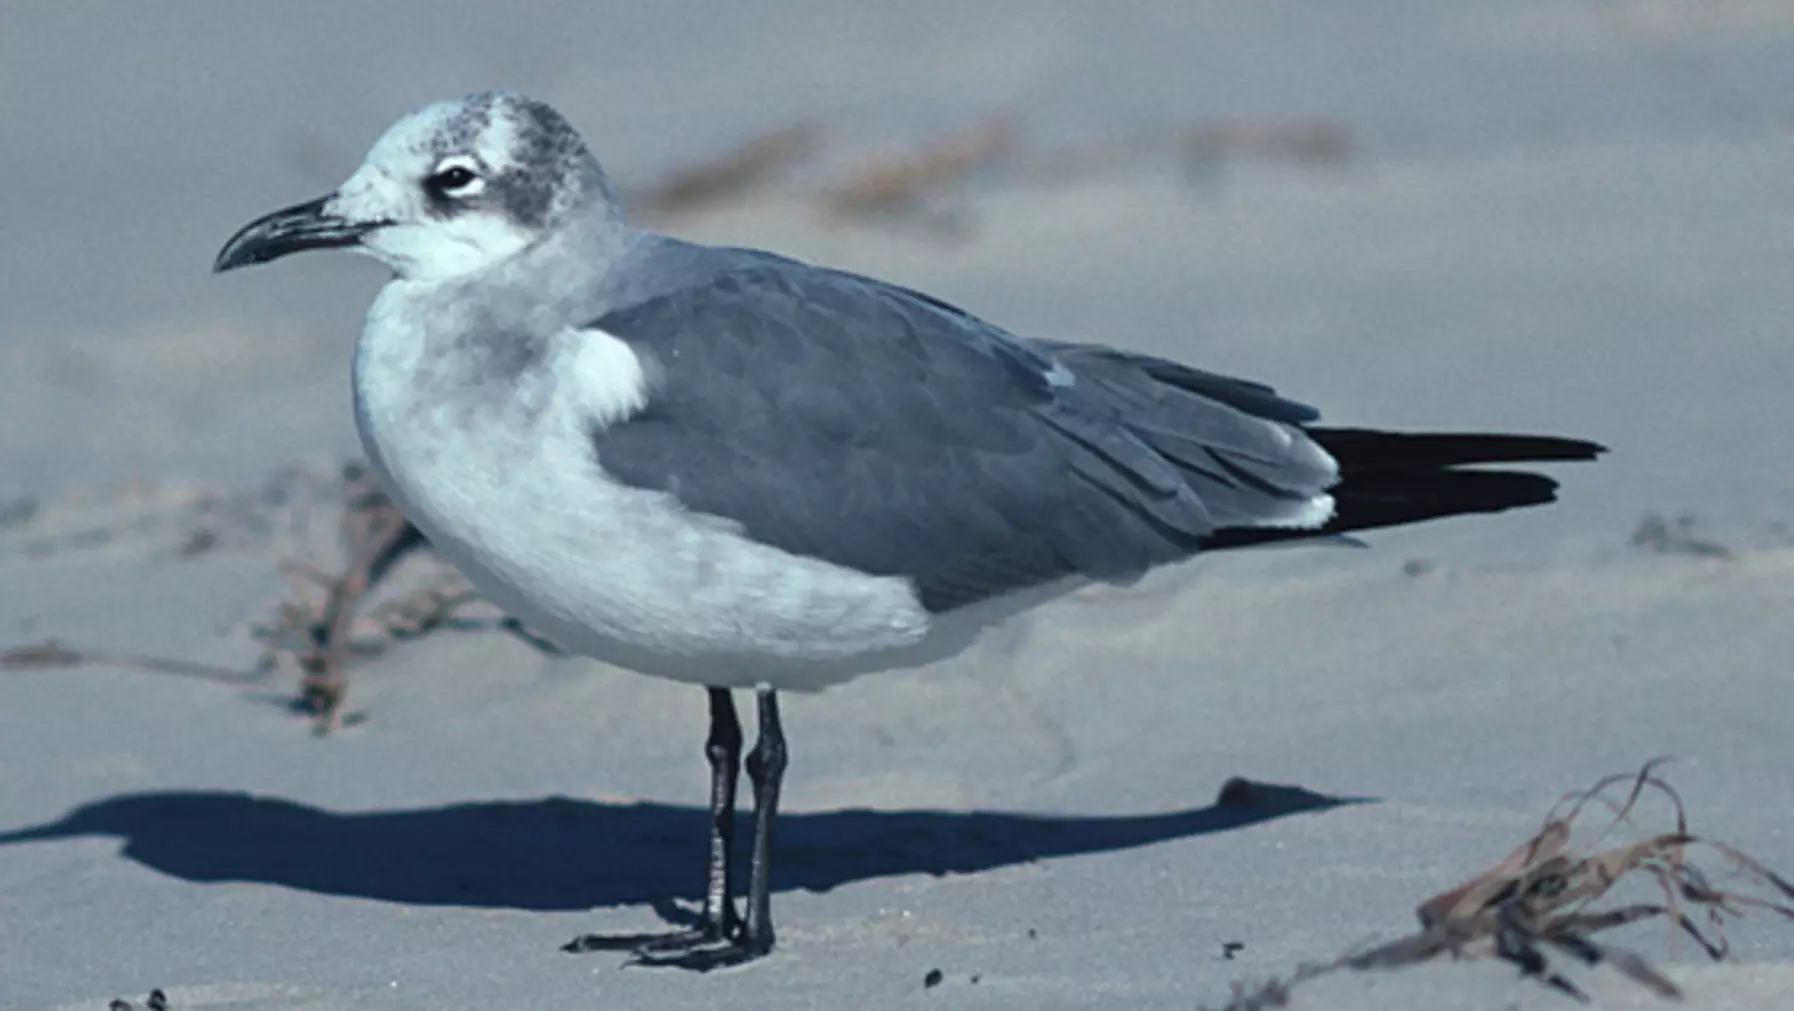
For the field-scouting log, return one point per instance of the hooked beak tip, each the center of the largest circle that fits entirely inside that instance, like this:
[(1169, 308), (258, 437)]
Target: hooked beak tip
[(230, 258), (289, 230)]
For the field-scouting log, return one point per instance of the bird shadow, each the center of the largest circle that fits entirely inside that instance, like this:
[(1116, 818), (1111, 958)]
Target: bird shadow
[(565, 854)]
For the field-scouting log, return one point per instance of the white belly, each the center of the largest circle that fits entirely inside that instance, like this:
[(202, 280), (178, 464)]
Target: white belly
[(518, 501)]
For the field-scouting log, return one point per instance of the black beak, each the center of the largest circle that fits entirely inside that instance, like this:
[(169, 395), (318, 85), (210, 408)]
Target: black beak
[(300, 227)]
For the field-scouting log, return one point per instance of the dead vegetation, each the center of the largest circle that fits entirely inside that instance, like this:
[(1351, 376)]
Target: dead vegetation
[(1539, 903), (898, 184), (330, 619), (51, 654), (320, 634), (732, 175)]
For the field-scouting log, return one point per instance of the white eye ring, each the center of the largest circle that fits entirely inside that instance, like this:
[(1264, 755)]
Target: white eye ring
[(458, 176)]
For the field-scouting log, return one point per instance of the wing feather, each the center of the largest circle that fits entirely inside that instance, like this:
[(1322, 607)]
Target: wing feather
[(837, 417)]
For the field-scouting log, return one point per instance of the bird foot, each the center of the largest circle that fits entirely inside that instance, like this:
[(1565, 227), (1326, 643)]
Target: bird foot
[(660, 943), (697, 949), (678, 940), (719, 954)]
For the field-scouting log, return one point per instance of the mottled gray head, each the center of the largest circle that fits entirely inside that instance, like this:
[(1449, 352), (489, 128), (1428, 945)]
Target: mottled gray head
[(453, 188)]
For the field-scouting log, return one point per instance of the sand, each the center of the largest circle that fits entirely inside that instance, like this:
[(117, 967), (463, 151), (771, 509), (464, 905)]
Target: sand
[(1556, 217)]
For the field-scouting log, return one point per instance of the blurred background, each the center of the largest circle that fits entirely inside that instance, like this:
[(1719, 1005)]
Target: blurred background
[(1562, 215)]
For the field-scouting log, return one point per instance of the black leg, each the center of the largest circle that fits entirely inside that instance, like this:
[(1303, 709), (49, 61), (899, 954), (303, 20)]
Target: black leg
[(724, 751), (766, 771), (719, 921)]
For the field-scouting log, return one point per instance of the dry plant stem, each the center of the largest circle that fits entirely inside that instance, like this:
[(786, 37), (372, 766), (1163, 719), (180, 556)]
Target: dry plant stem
[(421, 613), (390, 537), (427, 610), (889, 185), (54, 654), (732, 175), (329, 630), (1536, 903), (1538, 898)]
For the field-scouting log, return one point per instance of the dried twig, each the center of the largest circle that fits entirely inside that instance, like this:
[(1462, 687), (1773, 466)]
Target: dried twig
[(381, 536), (732, 175), (429, 609), (895, 184), (1538, 899), (1537, 902), (51, 654), (890, 185), (323, 635)]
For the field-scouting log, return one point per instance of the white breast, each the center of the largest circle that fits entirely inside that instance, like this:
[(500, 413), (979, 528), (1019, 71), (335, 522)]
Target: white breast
[(510, 491)]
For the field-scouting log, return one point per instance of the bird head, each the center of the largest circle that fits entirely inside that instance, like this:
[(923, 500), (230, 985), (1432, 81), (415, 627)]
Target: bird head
[(451, 189)]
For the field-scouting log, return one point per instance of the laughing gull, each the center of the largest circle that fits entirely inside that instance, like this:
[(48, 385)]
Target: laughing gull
[(737, 470)]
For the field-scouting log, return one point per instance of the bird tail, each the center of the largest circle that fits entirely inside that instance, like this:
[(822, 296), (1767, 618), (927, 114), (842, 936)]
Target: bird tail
[(1391, 478)]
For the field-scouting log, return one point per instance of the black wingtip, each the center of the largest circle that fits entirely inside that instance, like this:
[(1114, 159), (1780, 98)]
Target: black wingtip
[(1364, 449), (1394, 478), (1390, 498)]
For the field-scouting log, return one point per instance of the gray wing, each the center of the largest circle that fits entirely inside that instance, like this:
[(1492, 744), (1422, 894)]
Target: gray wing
[(837, 417)]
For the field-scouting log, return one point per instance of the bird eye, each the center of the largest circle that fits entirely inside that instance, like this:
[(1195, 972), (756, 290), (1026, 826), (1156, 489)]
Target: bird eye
[(452, 179)]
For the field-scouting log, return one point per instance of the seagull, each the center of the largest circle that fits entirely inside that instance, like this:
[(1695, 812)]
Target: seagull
[(738, 470)]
